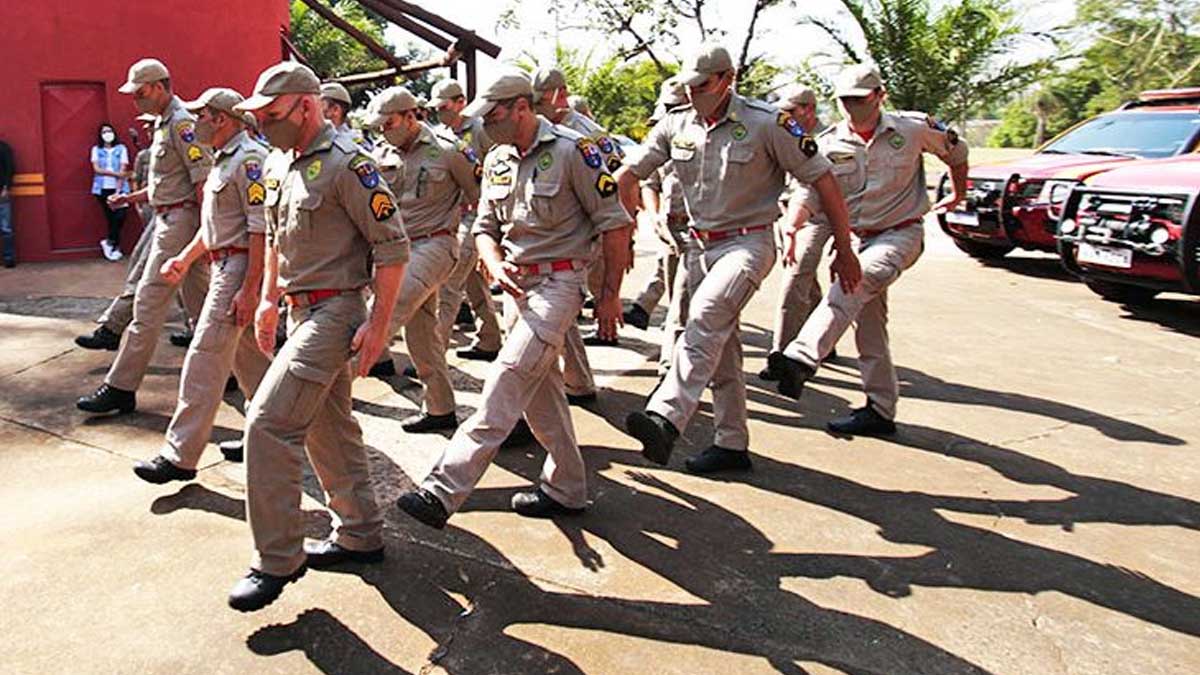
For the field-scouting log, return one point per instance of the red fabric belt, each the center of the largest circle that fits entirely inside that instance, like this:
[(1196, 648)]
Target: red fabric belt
[(547, 268), (431, 235), (721, 235), (305, 298), (222, 253), (177, 205), (898, 226)]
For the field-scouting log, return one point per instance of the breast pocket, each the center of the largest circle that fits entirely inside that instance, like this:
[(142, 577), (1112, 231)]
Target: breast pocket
[(737, 160), (542, 202), (849, 175), (302, 213), (431, 180), (212, 193)]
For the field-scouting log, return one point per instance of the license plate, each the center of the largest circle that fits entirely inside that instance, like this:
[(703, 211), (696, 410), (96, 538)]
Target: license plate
[(963, 218), (1105, 255)]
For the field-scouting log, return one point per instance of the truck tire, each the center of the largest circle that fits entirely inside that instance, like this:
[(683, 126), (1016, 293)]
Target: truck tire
[(982, 251), (1125, 294)]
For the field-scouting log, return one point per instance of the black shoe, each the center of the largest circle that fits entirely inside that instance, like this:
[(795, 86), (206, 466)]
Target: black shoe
[(410, 371), (519, 436), (768, 374), (594, 340), (655, 432), (162, 470), (383, 369), (259, 589), (231, 385), (234, 451), (716, 459), (538, 504), (792, 374), (465, 317), (101, 338), (181, 339), (862, 421), (637, 317), (589, 303), (426, 423), (581, 400), (107, 399), (325, 554), (425, 507), (474, 353)]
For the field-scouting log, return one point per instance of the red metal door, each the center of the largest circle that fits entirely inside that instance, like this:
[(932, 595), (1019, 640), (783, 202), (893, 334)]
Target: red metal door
[(71, 114)]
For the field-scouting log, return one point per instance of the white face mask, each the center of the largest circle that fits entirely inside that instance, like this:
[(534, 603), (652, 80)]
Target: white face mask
[(108, 136)]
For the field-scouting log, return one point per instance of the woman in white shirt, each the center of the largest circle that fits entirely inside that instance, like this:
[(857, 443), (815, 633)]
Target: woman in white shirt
[(110, 162)]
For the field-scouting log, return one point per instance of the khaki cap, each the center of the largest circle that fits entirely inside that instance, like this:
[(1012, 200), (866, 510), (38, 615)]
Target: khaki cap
[(858, 80), (445, 91), (144, 72), (218, 98), (548, 79), (672, 93), (388, 101), (796, 95), (336, 92), (580, 104), (287, 77), (510, 84), (709, 59)]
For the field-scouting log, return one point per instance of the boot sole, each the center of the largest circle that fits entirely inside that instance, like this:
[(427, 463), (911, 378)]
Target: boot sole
[(317, 562), (121, 410), (155, 479), (641, 427), (241, 607)]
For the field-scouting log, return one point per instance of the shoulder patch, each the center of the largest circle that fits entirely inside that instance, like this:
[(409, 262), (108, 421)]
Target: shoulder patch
[(789, 124), (545, 160), (256, 194), (590, 153), (313, 170), (382, 205), (606, 145), (808, 146), (194, 153), (606, 185), (364, 168), (186, 131), (253, 169)]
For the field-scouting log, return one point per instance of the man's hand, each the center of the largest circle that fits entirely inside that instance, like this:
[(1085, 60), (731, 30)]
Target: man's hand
[(369, 341), (245, 301), (266, 320), (608, 315), (505, 274), (117, 201), (789, 245), (845, 269), (947, 203), (173, 269)]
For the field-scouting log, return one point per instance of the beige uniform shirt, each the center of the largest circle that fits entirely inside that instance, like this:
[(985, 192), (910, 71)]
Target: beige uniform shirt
[(734, 171), (431, 179), (360, 139), (550, 203), (610, 150), (334, 217), (893, 189), (177, 162), (234, 195), (141, 168)]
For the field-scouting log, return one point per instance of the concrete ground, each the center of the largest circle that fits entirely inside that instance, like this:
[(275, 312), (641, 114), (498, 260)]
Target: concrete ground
[(1037, 513)]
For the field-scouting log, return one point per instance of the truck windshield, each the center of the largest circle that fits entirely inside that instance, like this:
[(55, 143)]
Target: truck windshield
[(1132, 134)]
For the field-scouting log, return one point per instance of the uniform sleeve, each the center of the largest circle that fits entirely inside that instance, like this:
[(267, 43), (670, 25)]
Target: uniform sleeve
[(654, 151), (196, 158), (653, 181), (248, 179), (487, 220), (465, 169), (375, 213), (794, 150), (945, 143), (596, 190)]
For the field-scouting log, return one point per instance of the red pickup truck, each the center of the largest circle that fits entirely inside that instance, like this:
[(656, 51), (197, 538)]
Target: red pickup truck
[(1017, 204), (1133, 232)]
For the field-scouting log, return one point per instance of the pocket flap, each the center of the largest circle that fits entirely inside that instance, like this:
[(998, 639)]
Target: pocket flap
[(545, 189)]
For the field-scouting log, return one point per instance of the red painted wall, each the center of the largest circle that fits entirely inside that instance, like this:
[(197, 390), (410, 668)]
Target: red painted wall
[(203, 44)]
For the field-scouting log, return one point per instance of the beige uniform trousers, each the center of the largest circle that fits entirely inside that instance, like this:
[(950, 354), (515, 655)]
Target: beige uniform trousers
[(524, 379), (218, 346), (120, 312), (676, 279), (172, 231), (416, 310), (465, 279), (801, 291), (658, 283), (722, 277), (883, 258), (303, 404)]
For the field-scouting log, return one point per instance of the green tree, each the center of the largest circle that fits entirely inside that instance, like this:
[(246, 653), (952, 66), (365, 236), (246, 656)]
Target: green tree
[(949, 62)]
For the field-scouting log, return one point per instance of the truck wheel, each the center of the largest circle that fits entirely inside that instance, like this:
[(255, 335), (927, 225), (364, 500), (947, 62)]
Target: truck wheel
[(982, 251), (1124, 294)]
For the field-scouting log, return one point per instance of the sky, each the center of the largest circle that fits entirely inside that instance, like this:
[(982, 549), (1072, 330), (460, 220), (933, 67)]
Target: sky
[(780, 37)]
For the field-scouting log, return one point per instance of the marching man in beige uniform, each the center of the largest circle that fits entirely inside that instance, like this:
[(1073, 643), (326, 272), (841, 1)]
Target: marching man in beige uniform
[(888, 213), (328, 236), (465, 278), (335, 105), (431, 176), (542, 205), (732, 155), (550, 101), (231, 238), (178, 167), (801, 291)]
